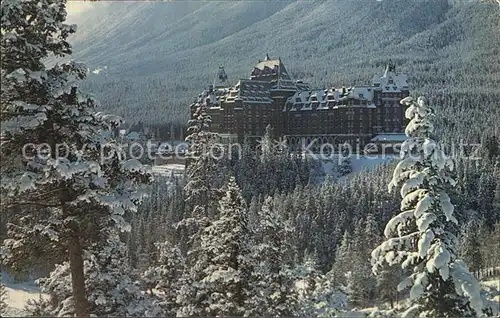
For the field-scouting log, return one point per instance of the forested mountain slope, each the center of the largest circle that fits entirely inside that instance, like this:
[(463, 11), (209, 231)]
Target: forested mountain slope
[(159, 55)]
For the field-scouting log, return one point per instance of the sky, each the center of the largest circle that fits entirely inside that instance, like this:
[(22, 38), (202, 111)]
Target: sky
[(75, 7)]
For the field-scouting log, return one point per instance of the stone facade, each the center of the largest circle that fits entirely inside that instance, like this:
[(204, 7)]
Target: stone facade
[(301, 114)]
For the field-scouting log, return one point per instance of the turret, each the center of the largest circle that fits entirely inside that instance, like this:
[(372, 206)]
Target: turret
[(221, 79)]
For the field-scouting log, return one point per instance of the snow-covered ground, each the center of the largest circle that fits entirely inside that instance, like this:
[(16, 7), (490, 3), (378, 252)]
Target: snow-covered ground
[(328, 165), (369, 162), (493, 286), (358, 163), (18, 296), (168, 170), (495, 283)]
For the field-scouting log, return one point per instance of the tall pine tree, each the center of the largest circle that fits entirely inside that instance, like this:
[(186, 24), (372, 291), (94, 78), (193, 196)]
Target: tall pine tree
[(3, 299), (113, 289), (420, 237), (469, 248), (164, 278), (272, 280), (220, 274), (201, 193), (55, 154), (200, 164)]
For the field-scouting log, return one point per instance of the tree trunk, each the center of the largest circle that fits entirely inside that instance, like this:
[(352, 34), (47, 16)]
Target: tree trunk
[(77, 277)]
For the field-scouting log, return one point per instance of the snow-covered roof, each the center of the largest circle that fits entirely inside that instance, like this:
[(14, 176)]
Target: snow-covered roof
[(361, 92), (267, 63), (316, 95), (269, 69), (253, 91), (289, 85), (301, 86), (390, 137), (133, 136), (391, 81), (216, 96), (325, 98), (264, 80)]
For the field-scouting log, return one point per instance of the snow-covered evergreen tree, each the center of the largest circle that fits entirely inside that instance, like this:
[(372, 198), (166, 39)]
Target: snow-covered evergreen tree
[(57, 157), (361, 283), (253, 213), (314, 293), (200, 165), (245, 172), (469, 251), (272, 280), (305, 273), (343, 261), (344, 164), (3, 299), (386, 284), (277, 168), (164, 279), (492, 257), (324, 300), (486, 198), (201, 192), (112, 288), (220, 274), (267, 180), (421, 236)]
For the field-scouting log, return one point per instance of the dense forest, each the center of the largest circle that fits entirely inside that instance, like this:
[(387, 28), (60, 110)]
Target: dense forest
[(256, 235)]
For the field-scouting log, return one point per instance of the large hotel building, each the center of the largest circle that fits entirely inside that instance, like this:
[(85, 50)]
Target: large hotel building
[(356, 115)]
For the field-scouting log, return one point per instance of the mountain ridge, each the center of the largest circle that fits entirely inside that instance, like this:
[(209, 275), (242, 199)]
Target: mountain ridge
[(159, 56)]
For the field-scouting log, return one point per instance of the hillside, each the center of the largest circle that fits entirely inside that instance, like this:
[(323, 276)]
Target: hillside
[(155, 57)]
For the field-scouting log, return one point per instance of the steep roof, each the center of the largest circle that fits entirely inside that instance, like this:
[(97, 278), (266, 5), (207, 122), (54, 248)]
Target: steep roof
[(390, 137), (216, 96), (391, 81), (264, 80), (361, 92), (325, 98), (249, 90), (269, 69)]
